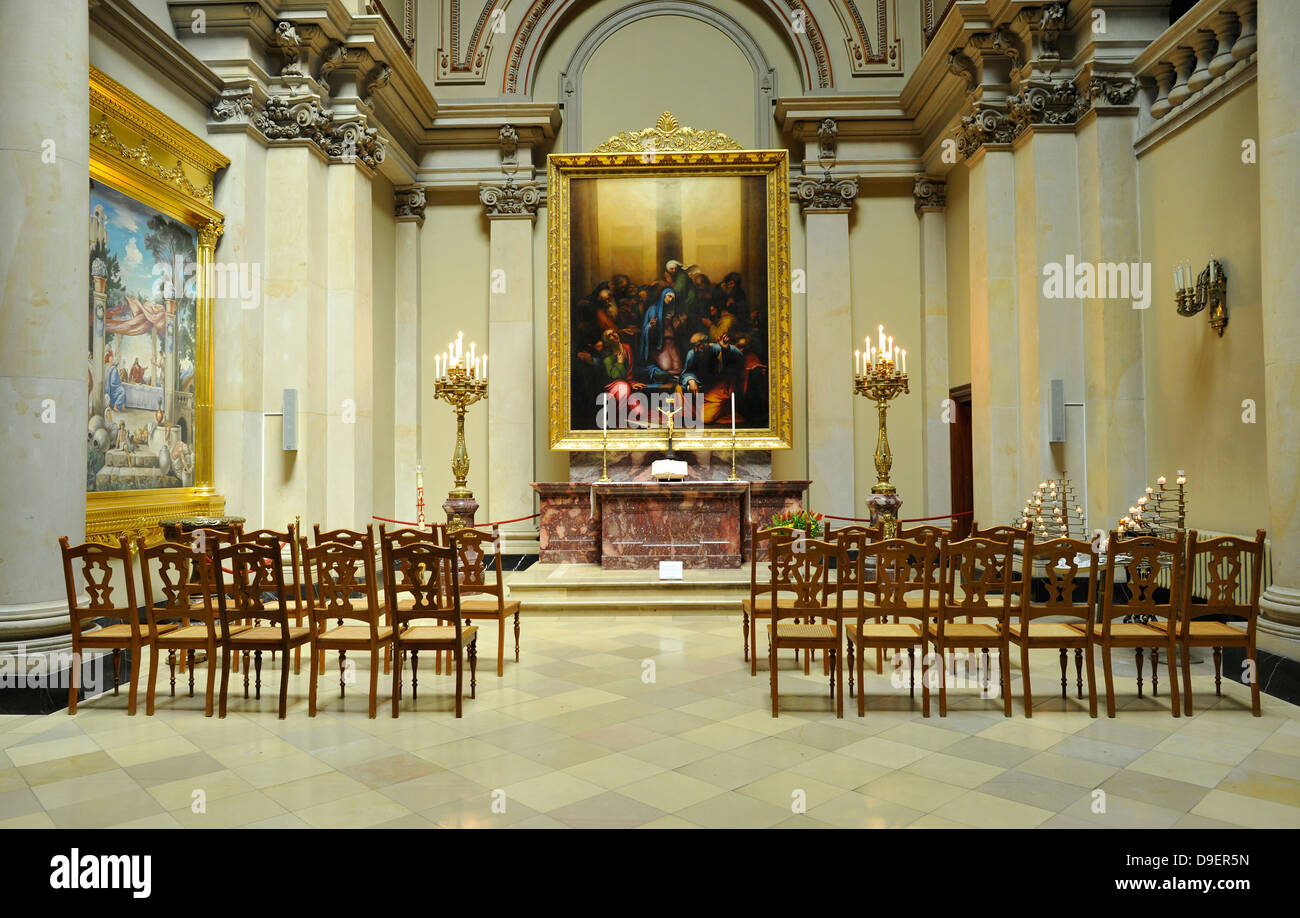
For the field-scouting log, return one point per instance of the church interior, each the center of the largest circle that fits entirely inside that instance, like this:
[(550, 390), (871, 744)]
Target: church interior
[(890, 419)]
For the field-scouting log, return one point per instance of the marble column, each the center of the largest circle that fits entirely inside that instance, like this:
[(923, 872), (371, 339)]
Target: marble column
[(511, 209), (44, 144), (407, 389), (930, 196), (827, 364), (1279, 185), (994, 336)]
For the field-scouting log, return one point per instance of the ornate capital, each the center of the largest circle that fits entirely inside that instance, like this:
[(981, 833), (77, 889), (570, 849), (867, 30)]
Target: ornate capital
[(983, 124), (210, 232), (930, 195), (408, 205), (510, 199), (1115, 90), (1045, 102), (828, 193), (345, 139), (234, 105)]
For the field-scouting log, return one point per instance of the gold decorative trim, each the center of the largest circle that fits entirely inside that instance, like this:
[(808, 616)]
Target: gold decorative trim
[(115, 100), (773, 165), (140, 157), (667, 136)]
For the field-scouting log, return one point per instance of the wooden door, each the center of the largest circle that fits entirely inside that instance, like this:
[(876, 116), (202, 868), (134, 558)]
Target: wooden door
[(960, 453)]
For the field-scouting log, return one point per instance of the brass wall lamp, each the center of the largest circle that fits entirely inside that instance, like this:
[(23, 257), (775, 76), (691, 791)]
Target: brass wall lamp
[(1209, 289)]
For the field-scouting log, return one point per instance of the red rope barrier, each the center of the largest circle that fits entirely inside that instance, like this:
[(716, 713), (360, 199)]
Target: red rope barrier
[(520, 519), (915, 519)]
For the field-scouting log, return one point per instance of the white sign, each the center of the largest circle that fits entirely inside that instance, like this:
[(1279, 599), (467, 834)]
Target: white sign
[(670, 570)]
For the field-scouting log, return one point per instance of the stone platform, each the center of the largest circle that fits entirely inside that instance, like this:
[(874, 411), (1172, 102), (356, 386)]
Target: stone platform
[(576, 589)]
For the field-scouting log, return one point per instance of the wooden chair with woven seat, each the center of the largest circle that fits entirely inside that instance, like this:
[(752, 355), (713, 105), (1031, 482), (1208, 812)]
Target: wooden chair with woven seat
[(974, 582), (204, 542), (471, 564), (1060, 559), (282, 541), (1227, 576), (1142, 558), (255, 570), (903, 566), (179, 575), (355, 538), (343, 587), (937, 534), (758, 605), (853, 578), (428, 573), (100, 581), (801, 566)]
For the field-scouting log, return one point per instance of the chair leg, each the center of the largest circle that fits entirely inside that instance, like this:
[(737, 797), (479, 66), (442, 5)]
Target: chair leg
[(415, 672), (284, 683), (1024, 678), (771, 659), (1171, 655), (911, 673), (226, 654), (212, 680), (190, 655), (1110, 680), (839, 686), (1078, 669), (1187, 677), (862, 684), (257, 662), (848, 645), (460, 671), (943, 685), (374, 678), (317, 670), (117, 667), (744, 629), (1155, 672), (753, 648), (501, 647), (171, 673), (398, 659), (1254, 681), (343, 655), (74, 677), (1004, 670), (1065, 673), (1092, 682), (516, 637), (1218, 671), (473, 667), (925, 677), (135, 680), (153, 680), (1137, 655)]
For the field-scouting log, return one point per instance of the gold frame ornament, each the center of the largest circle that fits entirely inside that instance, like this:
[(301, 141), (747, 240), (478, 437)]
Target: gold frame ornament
[(669, 149), (130, 142)]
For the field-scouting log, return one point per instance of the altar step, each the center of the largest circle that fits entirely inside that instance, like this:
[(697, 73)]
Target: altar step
[(572, 589)]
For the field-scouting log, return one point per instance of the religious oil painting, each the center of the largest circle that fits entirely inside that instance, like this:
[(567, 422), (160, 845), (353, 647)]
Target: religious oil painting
[(670, 295), (140, 347)]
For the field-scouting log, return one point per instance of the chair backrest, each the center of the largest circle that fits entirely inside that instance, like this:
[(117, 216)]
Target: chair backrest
[(868, 533), (472, 550), (341, 583), (1063, 560), (279, 541), (408, 535), (97, 577), (246, 572), (851, 577), (179, 573), (1142, 558), (904, 566), (758, 536), (346, 536), (205, 541), (937, 534), (1231, 563), (429, 574), (972, 572), (801, 566), (1012, 535)]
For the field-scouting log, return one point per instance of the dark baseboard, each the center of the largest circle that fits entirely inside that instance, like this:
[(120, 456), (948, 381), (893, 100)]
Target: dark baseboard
[(50, 692), (1279, 676)]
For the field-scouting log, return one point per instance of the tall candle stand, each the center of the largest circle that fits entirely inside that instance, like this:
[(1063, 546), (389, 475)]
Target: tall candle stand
[(733, 476), (1160, 513), (460, 385), (604, 454), (881, 375), (1053, 511)]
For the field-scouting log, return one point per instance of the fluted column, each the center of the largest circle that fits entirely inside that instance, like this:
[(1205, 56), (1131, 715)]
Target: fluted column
[(1279, 185), (828, 367), (511, 210), (407, 390), (44, 144), (931, 199)]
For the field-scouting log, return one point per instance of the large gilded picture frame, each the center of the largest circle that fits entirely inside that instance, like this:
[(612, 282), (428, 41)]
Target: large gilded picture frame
[(669, 292), (152, 233)]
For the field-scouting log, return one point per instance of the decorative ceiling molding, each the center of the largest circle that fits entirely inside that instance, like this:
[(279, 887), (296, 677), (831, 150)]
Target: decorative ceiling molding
[(874, 50), (667, 136), (463, 54)]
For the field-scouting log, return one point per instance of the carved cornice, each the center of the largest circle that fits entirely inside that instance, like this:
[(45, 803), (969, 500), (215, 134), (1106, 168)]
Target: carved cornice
[(929, 195), (510, 199), (345, 138), (827, 194), (1114, 90), (1051, 102), (983, 123), (101, 132), (408, 205)]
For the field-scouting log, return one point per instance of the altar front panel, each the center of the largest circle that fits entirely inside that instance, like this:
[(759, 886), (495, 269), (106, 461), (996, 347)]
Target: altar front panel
[(643, 523)]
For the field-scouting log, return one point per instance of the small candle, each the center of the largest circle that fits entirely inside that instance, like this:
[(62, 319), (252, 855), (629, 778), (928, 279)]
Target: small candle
[(857, 363), (485, 367), (904, 363), (881, 328), (460, 344), (889, 351), (1161, 480)]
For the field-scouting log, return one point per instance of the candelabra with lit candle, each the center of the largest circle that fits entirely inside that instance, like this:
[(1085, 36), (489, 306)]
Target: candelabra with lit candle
[(1160, 513), (461, 380), (880, 374)]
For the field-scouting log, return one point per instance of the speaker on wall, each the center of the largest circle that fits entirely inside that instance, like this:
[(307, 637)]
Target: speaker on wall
[(289, 425), (1058, 411)]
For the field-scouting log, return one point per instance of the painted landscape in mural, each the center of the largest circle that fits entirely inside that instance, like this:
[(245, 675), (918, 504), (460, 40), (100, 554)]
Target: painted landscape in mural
[(140, 347), (668, 287)]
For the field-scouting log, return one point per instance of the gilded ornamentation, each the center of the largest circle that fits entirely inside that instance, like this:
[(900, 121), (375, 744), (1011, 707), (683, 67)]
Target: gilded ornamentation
[(102, 132), (667, 136)]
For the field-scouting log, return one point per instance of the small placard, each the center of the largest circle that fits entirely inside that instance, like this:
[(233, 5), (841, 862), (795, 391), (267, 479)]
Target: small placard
[(670, 570)]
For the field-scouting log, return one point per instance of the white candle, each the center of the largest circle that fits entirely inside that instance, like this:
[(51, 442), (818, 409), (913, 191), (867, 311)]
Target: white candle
[(904, 363), (889, 351), (882, 338), (485, 367), (857, 363), (604, 413), (460, 344), (733, 414)]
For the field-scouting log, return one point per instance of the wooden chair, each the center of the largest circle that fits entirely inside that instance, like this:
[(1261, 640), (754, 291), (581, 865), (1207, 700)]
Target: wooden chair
[(205, 542), (902, 567), (937, 534), (759, 603), (801, 566), (281, 541), (1227, 575), (179, 574), (852, 579), (429, 574), (356, 539), (255, 570), (1059, 558), (98, 576), (1143, 557), (471, 550), (342, 583), (974, 581)]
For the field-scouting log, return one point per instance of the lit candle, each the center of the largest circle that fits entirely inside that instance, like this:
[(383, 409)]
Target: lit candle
[(882, 338), (904, 363), (857, 363), (472, 359), (460, 345), (485, 367), (889, 351), (1161, 480)]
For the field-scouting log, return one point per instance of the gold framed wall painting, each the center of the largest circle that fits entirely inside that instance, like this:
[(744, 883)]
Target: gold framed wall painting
[(669, 290), (149, 344)]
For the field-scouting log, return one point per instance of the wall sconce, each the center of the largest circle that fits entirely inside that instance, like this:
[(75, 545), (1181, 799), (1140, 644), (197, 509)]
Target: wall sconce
[(1210, 289)]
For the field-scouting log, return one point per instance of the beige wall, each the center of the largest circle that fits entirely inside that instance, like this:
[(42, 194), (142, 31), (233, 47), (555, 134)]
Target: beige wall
[(957, 228), (384, 241), (1198, 198)]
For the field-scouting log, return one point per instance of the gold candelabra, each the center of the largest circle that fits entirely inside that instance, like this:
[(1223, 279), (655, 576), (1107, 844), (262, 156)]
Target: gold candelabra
[(461, 380), (1160, 513), (880, 374), (733, 476)]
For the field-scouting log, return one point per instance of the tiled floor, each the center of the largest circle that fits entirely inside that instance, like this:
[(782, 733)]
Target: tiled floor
[(645, 721)]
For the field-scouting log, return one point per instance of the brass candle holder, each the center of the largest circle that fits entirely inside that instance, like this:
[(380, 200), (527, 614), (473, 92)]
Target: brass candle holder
[(1161, 513), (1209, 289), (1053, 511), (460, 386), (733, 476), (880, 374)]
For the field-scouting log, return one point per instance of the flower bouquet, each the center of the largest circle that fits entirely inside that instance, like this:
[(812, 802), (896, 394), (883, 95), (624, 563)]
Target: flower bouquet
[(809, 522)]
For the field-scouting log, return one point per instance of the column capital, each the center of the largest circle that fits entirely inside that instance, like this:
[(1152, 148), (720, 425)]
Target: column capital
[(929, 195), (510, 199), (408, 205), (826, 194), (983, 123)]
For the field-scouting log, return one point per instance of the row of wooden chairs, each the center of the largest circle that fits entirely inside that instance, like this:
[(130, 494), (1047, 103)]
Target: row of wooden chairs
[(212, 594), (922, 587)]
